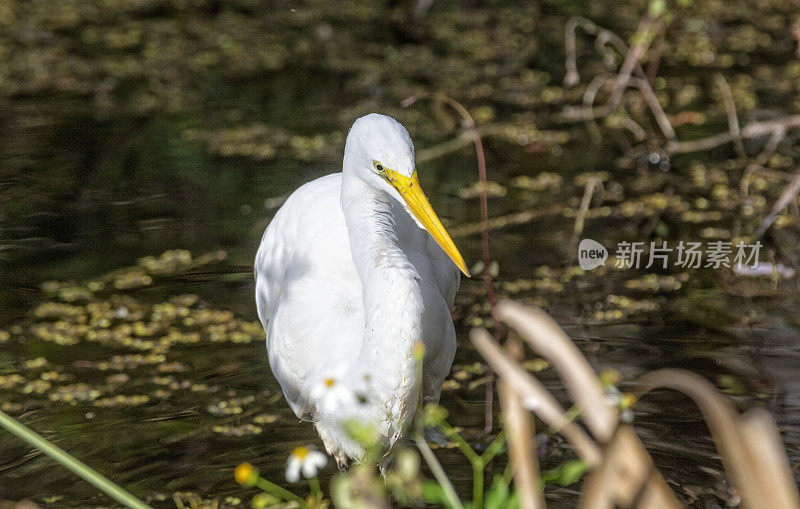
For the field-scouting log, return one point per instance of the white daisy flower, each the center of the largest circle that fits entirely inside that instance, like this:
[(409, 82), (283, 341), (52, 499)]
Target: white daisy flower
[(306, 460), (333, 396)]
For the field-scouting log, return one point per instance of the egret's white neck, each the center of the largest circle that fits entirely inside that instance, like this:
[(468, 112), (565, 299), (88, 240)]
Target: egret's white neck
[(391, 294)]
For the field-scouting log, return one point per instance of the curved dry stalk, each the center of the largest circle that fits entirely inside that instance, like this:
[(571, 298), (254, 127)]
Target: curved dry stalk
[(643, 37), (526, 216), (788, 194), (655, 107), (631, 66), (723, 422), (476, 138), (589, 96), (572, 77), (626, 478), (533, 392), (628, 123), (545, 337), (768, 456), (591, 185), (521, 446), (730, 109), (755, 129)]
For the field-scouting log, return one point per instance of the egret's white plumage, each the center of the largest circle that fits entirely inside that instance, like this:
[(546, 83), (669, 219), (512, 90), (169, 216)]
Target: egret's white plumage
[(348, 280)]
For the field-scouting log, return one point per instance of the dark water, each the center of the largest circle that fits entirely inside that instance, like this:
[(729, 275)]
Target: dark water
[(159, 125)]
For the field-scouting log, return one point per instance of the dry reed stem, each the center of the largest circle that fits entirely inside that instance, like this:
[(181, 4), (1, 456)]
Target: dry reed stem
[(521, 447), (655, 107), (544, 335), (526, 216), (626, 477), (591, 185), (535, 395), (623, 79), (788, 194), (631, 73), (572, 77), (626, 471), (623, 473), (768, 456), (643, 37), (740, 452), (730, 109), (751, 130)]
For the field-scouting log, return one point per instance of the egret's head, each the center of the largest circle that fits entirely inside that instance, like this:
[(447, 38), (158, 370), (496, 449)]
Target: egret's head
[(379, 150)]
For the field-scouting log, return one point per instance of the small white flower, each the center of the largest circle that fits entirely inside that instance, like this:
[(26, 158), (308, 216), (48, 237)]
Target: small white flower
[(304, 459), (333, 396), (613, 396), (626, 416)]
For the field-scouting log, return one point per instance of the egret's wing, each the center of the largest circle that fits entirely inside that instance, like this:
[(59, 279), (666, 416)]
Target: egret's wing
[(272, 265), (306, 288)]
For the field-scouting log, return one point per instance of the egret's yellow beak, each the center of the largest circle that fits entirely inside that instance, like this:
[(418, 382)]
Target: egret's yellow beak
[(418, 204)]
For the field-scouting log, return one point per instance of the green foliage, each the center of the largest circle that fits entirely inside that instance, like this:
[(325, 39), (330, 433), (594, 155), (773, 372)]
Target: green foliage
[(657, 8), (500, 496), (362, 433), (396, 477), (565, 474), (434, 415)]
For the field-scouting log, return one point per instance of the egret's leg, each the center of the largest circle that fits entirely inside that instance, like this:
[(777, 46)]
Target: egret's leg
[(332, 446)]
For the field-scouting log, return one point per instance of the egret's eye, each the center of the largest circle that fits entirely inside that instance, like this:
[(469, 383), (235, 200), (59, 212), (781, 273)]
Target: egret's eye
[(379, 167)]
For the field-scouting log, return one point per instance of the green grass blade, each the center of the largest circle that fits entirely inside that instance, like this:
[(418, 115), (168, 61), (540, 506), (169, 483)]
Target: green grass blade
[(70, 462)]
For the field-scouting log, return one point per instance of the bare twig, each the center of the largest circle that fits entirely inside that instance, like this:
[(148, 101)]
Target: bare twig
[(642, 39), (655, 107), (572, 77), (588, 192), (628, 123), (631, 64), (730, 109), (787, 196), (776, 128), (589, 96), (516, 218), (655, 59)]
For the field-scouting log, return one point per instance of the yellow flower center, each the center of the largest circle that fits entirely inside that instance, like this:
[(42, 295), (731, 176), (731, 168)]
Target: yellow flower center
[(329, 382), (301, 452), (244, 473), (628, 400)]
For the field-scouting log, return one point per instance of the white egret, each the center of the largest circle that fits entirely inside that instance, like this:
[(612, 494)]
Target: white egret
[(353, 271)]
